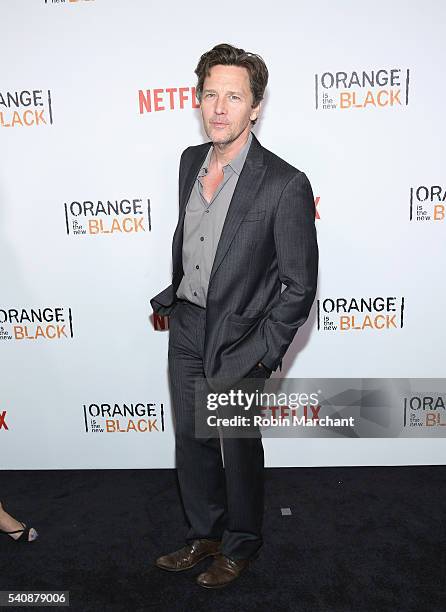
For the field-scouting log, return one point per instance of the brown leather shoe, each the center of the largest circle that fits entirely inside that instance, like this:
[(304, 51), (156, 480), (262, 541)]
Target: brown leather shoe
[(189, 555), (222, 571)]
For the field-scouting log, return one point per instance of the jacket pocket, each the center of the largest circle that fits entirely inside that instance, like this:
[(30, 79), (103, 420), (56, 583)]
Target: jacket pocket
[(254, 215), (235, 318)]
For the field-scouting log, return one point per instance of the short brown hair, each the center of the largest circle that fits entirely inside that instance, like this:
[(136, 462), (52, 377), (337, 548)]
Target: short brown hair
[(227, 55)]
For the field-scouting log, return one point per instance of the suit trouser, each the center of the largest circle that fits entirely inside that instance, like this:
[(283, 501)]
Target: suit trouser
[(221, 503)]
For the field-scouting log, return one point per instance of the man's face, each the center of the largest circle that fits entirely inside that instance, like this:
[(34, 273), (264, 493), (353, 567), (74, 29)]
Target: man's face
[(226, 104)]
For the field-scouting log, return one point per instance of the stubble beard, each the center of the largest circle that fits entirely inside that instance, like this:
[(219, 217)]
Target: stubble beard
[(228, 139)]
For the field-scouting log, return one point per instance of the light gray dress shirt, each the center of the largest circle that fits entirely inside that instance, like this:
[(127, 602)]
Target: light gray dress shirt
[(203, 224)]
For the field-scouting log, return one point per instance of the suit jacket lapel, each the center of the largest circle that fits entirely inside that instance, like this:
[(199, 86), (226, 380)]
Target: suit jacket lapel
[(244, 195), (185, 191)]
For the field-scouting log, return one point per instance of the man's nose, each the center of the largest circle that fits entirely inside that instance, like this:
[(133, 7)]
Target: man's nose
[(220, 105)]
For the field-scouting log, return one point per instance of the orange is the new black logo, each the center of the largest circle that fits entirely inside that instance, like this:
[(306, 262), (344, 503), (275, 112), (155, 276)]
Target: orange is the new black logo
[(377, 89), (427, 203), (166, 99), (124, 418), (26, 108), (51, 323), (377, 314), (122, 216), (425, 411)]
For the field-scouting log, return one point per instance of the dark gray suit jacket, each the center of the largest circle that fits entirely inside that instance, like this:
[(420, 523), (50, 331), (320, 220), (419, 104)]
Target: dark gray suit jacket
[(268, 238)]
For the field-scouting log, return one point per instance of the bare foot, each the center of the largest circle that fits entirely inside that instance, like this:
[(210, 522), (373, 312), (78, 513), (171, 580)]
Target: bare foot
[(9, 523)]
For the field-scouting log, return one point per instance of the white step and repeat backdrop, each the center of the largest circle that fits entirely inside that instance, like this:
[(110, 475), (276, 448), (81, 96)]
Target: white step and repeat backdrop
[(97, 102)]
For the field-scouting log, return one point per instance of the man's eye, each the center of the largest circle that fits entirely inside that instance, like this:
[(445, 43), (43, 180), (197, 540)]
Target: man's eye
[(235, 98), (209, 95)]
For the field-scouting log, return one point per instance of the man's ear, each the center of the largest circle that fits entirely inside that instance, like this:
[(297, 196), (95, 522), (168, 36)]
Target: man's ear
[(255, 112)]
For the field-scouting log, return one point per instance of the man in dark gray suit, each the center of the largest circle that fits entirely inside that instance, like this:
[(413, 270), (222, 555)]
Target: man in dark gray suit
[(246, 225)]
